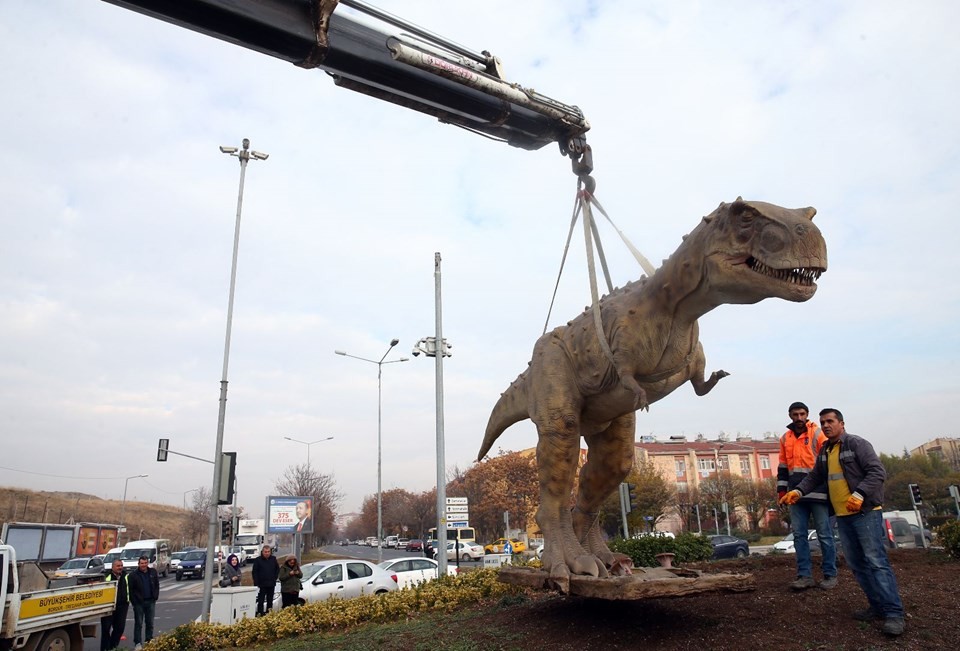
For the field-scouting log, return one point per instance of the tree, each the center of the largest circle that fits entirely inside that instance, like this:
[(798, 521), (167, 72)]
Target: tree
[(198, 518), (756, 497), (654, 495), (301, 480), (507, 482)]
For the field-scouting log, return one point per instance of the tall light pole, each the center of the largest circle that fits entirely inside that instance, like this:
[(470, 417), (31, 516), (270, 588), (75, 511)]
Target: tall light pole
[(123, 504), (290, 438), (438, 348), (393, 342), (244, 155)]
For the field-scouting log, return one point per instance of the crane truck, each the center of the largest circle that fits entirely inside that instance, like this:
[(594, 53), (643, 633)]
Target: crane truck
[(370, 51), (38, 618)]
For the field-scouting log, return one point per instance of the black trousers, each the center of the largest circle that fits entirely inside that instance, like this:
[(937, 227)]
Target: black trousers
[(265, 600), (289, 599), (111, 628)]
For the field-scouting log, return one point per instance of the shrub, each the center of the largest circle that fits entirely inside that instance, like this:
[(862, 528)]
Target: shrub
[(948, 534), (688, 547), (446, 593)]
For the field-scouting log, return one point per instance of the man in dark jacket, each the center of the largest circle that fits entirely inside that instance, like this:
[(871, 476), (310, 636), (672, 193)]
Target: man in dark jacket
[(266, 571), (111, 626), (144, 588), (855, 476)]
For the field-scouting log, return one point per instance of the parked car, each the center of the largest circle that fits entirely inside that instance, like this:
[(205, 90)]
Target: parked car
[(413, 571), (786, 545), (391, 542), (193, 564), (414, 545), (898, 533), (175, 559), (85, 566), (466, 550), (342, 578), (402, 543), (729, 547), (918, 537), (496, 547)]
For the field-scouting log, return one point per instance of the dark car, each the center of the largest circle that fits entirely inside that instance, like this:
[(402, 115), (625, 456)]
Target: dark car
[(414, 545), (729, 547), (193, 564)]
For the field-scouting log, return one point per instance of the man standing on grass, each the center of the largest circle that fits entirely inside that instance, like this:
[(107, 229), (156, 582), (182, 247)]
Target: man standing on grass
[(855, 476)]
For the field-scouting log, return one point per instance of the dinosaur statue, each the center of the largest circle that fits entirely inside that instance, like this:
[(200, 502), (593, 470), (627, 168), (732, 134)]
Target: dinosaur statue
[(743, 252)]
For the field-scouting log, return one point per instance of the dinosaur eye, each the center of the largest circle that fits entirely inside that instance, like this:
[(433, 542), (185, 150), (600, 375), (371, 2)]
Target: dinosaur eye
[(772, 240)]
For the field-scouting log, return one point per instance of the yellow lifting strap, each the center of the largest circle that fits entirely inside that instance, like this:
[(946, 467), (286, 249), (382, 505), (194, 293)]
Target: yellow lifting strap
[(584, 202)]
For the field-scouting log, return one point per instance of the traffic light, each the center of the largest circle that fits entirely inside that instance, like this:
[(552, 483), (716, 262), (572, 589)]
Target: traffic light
[(915, 494), (226, 529), (631, 497)]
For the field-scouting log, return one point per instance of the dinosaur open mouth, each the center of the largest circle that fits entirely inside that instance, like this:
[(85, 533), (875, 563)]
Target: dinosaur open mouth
[(797, 275)]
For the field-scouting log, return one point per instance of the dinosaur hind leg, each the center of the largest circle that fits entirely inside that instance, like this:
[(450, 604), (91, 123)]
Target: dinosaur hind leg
[(558, 451), (610, 457)]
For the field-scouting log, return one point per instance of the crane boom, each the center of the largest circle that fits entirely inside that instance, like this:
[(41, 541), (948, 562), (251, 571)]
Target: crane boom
[(390, 60)]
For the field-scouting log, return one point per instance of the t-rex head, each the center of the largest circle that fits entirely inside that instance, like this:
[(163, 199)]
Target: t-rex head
[(753, 250)]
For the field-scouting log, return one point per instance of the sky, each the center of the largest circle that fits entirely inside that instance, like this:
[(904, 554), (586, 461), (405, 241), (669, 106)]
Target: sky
[(119, 209)]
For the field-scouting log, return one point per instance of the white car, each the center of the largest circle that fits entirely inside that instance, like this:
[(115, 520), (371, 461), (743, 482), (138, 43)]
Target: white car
[(342, 578), (175, 559), (239, 552), (468, 551), (413, 571)]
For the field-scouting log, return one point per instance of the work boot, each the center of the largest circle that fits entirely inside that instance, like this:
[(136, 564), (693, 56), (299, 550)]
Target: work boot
[(803, 582), (865, 615), (828, 583), (893, 626)]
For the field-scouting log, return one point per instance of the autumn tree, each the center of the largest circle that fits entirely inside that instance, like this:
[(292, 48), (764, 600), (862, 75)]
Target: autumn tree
[(756, 498), (507, 482), (654, 494), (302, 480)]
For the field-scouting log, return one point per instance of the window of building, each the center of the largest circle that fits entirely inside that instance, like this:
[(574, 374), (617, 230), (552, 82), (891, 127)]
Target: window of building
[(681, 467), (681, 487), (706, 464), (745, 466), (765, 463)]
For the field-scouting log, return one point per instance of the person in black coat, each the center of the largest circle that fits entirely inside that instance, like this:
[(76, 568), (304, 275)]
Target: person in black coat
[(111, 626), (266, 572), (143, 585)]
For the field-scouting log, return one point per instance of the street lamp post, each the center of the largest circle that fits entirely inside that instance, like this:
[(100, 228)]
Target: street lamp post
[(393, 342), (289, 438), (244, 155), (123, 504)]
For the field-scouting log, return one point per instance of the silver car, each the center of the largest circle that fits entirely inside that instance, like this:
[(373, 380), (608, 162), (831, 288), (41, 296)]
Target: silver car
[(342, 578)]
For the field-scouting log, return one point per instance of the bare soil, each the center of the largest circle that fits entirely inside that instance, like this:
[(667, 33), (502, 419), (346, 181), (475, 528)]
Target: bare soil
[(770, 617)]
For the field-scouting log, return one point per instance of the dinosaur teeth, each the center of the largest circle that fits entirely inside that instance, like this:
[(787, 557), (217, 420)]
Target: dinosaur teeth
[(797, 275)]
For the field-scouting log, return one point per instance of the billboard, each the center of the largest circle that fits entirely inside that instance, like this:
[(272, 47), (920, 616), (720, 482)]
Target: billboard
[(289, 514)]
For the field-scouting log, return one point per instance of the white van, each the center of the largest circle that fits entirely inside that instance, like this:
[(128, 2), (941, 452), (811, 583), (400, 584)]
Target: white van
[(156, 550)]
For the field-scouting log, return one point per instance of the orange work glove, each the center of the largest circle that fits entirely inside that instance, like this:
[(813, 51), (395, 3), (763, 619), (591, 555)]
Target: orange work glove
[(854, 503), (792, 497)]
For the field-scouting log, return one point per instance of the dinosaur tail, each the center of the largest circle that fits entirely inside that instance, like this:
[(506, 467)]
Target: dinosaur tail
[(512, 407)]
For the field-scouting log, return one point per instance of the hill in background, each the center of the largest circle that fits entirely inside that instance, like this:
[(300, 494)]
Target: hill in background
[(142, 519)]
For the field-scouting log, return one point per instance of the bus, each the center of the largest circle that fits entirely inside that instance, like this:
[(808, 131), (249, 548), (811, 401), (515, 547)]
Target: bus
[(466, 534)]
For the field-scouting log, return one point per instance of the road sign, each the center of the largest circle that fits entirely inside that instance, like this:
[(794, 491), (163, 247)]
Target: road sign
[(456, 500), (457, 508), (457, 517), (458, 525)]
